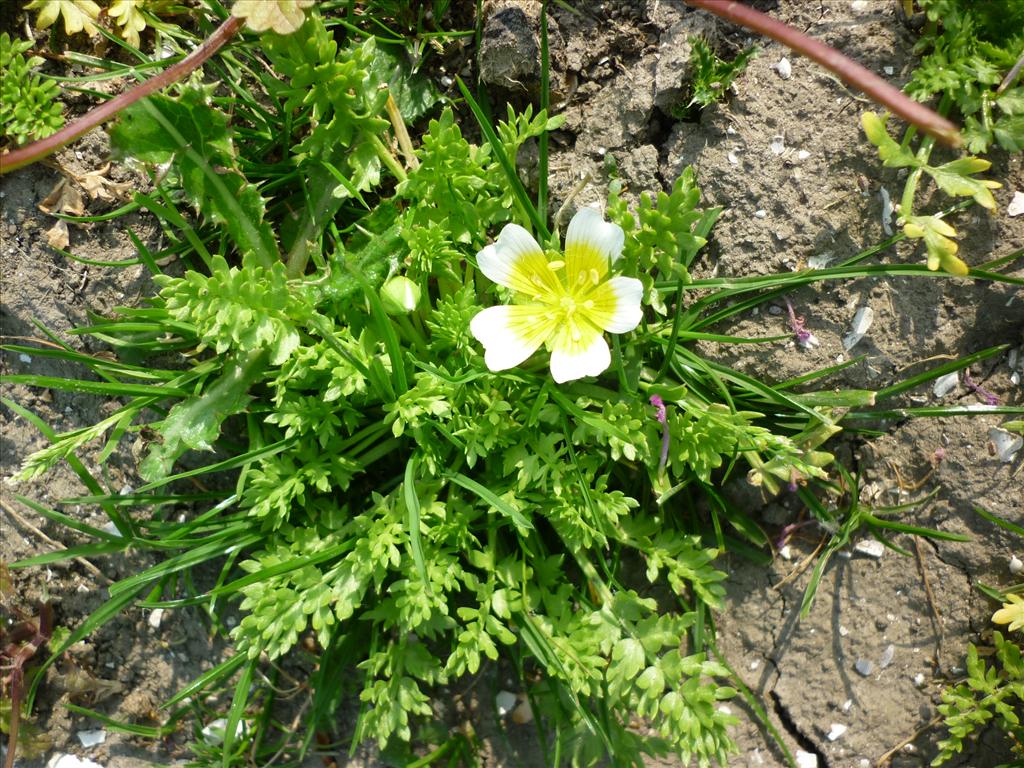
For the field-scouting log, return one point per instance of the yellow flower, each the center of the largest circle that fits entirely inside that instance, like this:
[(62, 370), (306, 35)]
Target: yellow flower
[(564, 305), (282, 16), (1011, 613), (78, 14), (128, 15)]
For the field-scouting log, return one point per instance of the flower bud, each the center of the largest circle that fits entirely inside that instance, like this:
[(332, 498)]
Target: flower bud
[(400, 295)]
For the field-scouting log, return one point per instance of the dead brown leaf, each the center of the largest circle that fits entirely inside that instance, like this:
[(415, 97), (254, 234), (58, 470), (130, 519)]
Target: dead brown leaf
[(64, 198), (99, 187), (57, 236)]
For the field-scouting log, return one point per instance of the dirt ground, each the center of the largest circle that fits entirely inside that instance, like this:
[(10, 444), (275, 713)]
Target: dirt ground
[(800, 185)]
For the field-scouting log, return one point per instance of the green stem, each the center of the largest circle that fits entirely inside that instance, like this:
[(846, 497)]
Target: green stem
[(387, 158)]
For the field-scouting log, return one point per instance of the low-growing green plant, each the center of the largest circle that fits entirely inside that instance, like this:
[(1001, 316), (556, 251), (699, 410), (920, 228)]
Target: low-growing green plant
[(382, 488), (711, 77), (991, 694), (30, 106)]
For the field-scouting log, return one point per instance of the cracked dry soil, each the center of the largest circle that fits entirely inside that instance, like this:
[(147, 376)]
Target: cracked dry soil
[(885, 634)]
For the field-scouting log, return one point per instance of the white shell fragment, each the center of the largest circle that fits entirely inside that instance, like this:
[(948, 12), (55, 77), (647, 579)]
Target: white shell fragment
[(1016, 206), (1006, 443), (505, 701), (806, 759), (870, 547), (777, 145), (784, 68), (836, 730), (1016, 566), (155, 617), (887, 656), (89, 739), (946, 384), (862, 321)]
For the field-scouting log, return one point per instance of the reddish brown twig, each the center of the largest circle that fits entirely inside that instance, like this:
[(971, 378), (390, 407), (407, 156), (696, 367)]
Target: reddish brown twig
[(21, 645), (874, 87), (37, 150)]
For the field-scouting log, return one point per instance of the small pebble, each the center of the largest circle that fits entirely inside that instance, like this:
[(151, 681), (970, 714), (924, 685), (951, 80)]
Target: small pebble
[(836, 730), (522, 714), (155, 617), (760, 214), (26, 359), (870, 547), (843, 631), (89, 739), (786, 553), (777, 145), (1016, 566), (1016, 206), (847, 705), (806, 759), (803, 154), (862, 320), (784, 68), (888, 70), (505, 701), (864, 667)]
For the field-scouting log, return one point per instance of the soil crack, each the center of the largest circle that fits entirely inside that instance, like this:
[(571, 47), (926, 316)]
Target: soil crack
[(805, 742)]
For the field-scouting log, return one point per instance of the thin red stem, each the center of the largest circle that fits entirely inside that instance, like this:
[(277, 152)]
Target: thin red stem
[(37, 150), (873, 86)]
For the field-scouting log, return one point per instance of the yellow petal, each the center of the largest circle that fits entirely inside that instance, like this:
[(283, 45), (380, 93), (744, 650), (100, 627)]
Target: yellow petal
[(592, 245), (1011, 613), (577, 350), (515, 261), (282, 16), (614, 305), (510, 334)]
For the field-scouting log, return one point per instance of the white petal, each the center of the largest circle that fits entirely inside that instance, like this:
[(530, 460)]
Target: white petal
[(627, 314), (510, 334), (574, 361), (590, 236), (515, 261)]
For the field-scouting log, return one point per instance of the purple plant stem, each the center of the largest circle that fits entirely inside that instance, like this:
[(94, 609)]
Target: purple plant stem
[(877, 89), (980, 391), (37, 150), (661, 414), (796, 324)]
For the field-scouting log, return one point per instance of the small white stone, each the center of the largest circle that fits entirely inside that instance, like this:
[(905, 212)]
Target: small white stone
[(870, 547), (1016, 206), (888, 70), (155, 617), (1006, 444), (70, 761), (505, 701), (1016, 566), (732, 157), (847, 705), (803, 154), (859, 5), (777, 145), (945, 384), (786, 553), (919, 680), (755, 664), (90, 739), (836, 730), (111, 528), (26, 359), (843, 631), (760, 213), (806, 759), (784, 68)]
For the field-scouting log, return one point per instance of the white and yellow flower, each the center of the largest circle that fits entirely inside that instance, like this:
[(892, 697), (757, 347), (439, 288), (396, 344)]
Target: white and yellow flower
[(564, 305)]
